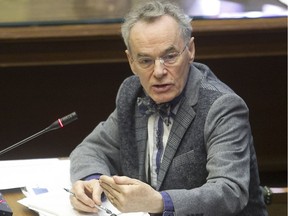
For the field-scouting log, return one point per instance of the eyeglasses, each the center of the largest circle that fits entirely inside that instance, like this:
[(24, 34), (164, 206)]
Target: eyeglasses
[(169, 59)]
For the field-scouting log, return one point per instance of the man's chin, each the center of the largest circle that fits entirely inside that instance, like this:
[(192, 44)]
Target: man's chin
[(163, 100)]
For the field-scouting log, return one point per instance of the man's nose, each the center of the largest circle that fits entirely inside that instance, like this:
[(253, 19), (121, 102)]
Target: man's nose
[(159, 68)]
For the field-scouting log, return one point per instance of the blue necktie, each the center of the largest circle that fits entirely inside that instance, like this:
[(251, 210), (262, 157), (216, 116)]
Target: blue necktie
[(157, 152), (159, 144)]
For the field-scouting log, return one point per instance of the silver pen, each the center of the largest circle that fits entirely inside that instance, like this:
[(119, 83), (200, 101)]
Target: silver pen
[(100, 207)]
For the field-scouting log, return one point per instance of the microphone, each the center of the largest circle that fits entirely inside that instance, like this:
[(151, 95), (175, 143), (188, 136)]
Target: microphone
[(60, 123)]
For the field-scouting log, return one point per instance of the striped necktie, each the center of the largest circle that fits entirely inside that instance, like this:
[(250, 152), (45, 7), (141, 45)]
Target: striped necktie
[(158, 148), (159, 144)]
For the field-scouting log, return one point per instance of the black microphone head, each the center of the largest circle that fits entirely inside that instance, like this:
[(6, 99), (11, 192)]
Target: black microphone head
[(68, 119), (60, 123)]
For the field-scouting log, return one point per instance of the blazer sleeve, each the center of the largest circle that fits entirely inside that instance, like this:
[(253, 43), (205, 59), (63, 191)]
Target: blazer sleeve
[(227, 136), (98, 152)]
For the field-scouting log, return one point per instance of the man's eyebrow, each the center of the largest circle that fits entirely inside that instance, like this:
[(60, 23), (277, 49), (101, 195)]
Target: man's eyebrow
[(169, 49), (139, 55)]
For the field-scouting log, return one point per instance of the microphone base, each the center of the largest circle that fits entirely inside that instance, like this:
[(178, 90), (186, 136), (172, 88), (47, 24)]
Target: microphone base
[(5, 210)]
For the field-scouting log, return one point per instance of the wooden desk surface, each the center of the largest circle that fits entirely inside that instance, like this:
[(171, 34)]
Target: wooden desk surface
[(12, 196)]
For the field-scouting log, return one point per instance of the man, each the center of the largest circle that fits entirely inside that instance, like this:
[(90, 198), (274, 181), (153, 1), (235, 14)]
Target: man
[(179, 141)]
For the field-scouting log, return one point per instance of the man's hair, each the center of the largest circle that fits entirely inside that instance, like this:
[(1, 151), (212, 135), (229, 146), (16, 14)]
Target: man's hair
[(151, 10)]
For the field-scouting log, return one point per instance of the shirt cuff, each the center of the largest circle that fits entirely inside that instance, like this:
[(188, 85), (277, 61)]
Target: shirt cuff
[(168, 204), (93, 176)]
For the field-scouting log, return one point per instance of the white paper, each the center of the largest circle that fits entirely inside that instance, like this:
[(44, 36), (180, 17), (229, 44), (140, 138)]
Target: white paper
[(57, 203), (20, 173), (51, 176)]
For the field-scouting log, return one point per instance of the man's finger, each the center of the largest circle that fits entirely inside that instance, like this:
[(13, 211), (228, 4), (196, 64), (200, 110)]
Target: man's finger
[(77, 204), (124, 180)]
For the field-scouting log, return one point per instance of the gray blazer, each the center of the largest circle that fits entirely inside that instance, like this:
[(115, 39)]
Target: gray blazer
[(209, 166)]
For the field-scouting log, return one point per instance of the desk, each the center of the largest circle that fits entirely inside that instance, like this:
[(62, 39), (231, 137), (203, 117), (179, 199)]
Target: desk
[(12, 196), (277, 208)]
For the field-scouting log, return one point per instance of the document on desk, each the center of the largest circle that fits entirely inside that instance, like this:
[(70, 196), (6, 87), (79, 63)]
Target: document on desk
[(57, 203), (43, 182), (20, 173)]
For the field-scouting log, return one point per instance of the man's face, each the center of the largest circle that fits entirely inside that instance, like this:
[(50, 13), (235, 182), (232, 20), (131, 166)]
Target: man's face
[(164, 78)]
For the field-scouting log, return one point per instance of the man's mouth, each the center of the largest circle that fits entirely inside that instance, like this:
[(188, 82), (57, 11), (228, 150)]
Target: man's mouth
[(161, 88)]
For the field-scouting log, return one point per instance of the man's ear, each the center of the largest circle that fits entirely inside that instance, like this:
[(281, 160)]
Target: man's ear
[(128, 56), (191, 49), (130, 60)]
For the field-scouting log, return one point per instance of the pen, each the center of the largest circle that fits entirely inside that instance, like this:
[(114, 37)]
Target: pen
[(100, 207), (67, 190)]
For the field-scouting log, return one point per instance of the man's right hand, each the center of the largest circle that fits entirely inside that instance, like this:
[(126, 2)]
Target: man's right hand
[(87, 194)]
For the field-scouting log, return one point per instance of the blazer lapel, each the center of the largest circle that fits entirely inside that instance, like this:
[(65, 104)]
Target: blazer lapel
[(182, 121), (184, 118), (141, 140)]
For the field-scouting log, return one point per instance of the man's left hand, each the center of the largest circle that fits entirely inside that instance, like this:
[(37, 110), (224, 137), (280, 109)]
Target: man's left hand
[(131, 195)]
